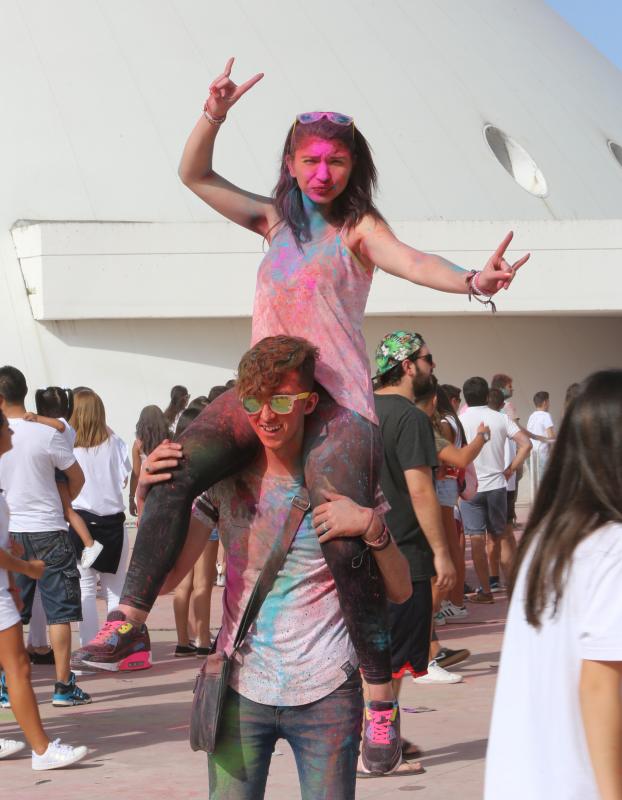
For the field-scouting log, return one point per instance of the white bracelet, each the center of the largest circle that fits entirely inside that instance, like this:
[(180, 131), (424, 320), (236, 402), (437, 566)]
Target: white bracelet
[(212, 120)]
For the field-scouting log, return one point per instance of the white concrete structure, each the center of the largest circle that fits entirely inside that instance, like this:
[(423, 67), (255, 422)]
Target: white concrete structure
[(113, 275)]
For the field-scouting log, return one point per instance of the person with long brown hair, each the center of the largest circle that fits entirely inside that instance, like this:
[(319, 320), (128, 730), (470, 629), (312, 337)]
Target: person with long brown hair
[(325, 236), (104, 460), (557, 719)]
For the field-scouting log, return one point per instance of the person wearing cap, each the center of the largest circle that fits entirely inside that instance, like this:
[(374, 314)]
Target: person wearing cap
[(405, 365)]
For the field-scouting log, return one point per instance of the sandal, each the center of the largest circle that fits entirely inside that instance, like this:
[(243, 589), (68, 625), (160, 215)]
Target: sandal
[(404, 768), (410, 750)]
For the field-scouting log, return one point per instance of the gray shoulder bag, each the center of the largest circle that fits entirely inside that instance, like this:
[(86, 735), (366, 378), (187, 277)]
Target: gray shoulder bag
[(212, 681)]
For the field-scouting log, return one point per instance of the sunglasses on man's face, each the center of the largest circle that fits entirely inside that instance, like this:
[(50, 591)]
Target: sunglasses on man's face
[(427, 357), (279, 403)]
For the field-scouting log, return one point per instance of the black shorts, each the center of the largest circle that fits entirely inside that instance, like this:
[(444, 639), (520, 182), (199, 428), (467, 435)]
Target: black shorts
[(411, 625)]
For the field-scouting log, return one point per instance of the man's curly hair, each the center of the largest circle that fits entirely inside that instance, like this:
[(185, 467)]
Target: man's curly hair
[(262, 368)]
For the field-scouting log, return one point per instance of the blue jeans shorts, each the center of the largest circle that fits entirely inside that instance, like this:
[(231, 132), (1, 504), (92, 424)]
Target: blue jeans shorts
[(60, 583), (485, 513), (324, 736), (447, 491)]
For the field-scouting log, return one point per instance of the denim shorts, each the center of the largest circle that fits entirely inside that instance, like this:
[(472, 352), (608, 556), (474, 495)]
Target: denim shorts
[(447, 491), (486, 512), (60, 583)]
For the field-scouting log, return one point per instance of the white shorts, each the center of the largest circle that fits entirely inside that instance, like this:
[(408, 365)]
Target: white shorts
[(9, 615)]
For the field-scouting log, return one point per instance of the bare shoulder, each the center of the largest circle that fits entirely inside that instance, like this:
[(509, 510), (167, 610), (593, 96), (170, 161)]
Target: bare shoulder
[(368, 226)]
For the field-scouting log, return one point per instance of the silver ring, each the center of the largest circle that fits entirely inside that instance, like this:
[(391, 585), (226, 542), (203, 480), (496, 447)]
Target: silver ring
[(325, 528)]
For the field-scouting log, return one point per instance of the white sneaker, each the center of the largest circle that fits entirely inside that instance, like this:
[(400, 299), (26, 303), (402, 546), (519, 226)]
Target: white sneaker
[(8, 747), (439, 619), (438, 675), (89, 554), (220, 575), (57, 756), (451, 612)]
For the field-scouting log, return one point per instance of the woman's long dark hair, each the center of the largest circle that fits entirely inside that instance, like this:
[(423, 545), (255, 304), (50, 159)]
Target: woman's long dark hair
[(581, 490), (445, 409), (152, 428), (179, 400), (54, 402), (352, 204)]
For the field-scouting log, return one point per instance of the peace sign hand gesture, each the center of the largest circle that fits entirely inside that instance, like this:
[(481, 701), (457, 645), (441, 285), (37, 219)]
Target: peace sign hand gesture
[(223, 92), (498, 274)]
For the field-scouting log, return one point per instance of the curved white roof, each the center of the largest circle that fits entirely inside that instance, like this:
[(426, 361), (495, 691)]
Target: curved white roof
[(99, 97)]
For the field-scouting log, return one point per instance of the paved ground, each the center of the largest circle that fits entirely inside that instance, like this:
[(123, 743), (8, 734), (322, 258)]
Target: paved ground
[(137, 727)]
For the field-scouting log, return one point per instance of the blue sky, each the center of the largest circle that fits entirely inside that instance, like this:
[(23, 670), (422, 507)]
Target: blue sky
[(600, 21)]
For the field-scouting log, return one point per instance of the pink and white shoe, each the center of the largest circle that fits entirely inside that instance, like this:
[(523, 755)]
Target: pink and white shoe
[(119, 646)]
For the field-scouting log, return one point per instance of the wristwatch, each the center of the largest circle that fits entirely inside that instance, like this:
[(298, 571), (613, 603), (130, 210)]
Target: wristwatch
[(485, 434)]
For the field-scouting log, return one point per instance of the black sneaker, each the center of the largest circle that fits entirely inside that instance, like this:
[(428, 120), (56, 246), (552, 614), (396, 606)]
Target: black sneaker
[(69, 694), (495, 584), (447, 658), (185, 650), (382, 745), (41, 658)]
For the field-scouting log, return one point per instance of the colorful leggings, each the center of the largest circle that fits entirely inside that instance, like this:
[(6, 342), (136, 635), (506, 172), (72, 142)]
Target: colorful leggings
[(342, 453)]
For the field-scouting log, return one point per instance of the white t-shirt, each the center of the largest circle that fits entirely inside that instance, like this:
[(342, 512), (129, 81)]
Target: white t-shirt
[(105, 468), (27, 476), (510, 445), (8, 612), (537, 748), (69, 434), (4, 538), (490, 463), (538, 423)]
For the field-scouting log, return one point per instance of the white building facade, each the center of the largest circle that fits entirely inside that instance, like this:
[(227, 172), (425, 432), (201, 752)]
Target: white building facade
[(483, 116)]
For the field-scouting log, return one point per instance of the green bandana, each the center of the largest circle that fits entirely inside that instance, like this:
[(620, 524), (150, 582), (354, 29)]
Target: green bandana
[(394, 348)]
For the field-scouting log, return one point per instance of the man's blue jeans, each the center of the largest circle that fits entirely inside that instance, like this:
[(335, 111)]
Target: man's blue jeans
[(324, 735)]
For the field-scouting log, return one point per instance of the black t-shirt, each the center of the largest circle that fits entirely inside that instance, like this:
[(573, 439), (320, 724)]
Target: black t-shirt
[(408, 443)]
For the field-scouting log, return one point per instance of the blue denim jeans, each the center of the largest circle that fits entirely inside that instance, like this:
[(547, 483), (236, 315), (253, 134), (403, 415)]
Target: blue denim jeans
[(324, 735)]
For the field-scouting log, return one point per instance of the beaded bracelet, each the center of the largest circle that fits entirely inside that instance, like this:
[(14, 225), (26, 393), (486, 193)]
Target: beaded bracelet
[(212, 120), (474, 291)]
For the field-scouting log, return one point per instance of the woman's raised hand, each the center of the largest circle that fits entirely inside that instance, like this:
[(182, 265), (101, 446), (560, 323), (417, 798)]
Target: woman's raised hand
[(223, 92), (498, 274)]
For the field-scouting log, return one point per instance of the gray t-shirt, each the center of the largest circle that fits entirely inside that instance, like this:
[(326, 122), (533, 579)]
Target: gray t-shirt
[(298, 650)]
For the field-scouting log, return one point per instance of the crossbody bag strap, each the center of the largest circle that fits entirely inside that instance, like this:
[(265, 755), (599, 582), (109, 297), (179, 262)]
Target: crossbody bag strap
[(299, 507)]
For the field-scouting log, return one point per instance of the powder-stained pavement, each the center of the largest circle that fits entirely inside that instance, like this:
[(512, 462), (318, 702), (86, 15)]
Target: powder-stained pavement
[(137, 727)]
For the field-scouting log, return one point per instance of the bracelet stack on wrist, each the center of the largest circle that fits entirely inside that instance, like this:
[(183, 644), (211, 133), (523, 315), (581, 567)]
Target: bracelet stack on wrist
[(473, 290), (212, 120), (381, 542)]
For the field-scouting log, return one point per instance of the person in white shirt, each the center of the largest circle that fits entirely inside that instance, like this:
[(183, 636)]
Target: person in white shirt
[(13, 656), (104, 459), (556, 727), (542, 429), (487, 511), (38, 525)]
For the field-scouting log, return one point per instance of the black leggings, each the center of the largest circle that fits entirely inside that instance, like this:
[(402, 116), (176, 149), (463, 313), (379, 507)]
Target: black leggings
[(342, 453)]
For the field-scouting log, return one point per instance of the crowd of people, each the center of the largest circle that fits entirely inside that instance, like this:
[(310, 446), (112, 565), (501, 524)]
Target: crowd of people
[(391, 475)]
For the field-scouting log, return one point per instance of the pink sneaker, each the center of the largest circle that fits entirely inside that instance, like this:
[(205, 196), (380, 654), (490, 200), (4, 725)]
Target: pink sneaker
[(119, 646), (382, 746)]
